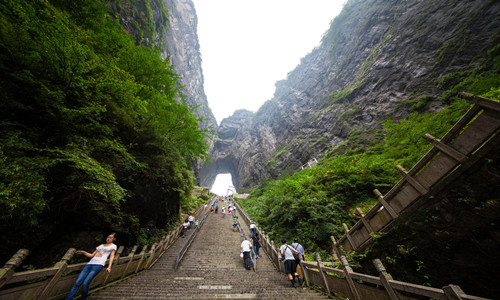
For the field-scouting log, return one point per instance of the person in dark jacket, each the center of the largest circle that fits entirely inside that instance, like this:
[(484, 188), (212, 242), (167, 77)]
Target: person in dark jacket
[(256, 244)]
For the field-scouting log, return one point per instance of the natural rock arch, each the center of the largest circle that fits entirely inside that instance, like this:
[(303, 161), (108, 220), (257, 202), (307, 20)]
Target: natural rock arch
[(208, 172)]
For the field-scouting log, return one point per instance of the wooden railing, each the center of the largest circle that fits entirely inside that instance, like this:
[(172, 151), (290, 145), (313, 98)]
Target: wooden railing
[(458, 150), (56, 282)]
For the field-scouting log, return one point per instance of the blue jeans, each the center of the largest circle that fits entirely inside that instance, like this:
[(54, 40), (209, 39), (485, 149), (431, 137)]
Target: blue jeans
[(88, 273), (252, 232), (256, 250)]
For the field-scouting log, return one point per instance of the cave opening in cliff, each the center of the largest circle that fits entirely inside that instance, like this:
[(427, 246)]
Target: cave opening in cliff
[(223, 185)]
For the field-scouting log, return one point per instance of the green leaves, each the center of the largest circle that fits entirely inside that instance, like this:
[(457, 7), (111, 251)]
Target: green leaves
[(95, 134), (98, 182), (22, 182)]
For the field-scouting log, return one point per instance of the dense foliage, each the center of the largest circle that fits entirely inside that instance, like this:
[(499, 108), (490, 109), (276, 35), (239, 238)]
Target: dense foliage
[(312, 204), (94, 132)]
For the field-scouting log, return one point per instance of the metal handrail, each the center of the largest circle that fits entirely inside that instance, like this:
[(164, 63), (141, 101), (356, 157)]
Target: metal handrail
[(252, 254), (190, 240), (253, 258)]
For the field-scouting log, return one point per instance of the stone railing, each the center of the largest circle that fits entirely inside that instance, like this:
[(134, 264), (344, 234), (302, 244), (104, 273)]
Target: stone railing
[(244, 236), (347, 283), (55, 282), (190, 240), (459, 149)]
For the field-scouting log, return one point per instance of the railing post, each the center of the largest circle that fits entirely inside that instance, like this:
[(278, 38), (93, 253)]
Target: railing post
[(266, 238), (269, 247), (115, 260), (61, 266), (453, 292), (143, 254), (320, 269), (161, 244), (350, 282), (131, 258), (165, 242), (412, 181), (10, 266), (450, 151), (152, 252), (384, 278), (170, 237), (277, 259), (178, 231), (336, 251), (385, 204), (348, 235), (365, 222)]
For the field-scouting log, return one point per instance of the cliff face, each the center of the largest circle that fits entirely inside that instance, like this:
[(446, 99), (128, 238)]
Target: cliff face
[(379, 59), (183, 51), (170, 25)]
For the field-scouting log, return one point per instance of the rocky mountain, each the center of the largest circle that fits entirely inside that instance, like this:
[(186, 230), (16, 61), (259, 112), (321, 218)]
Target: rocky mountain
[(379, 59), (183, 51), (225, 156), (171, 26)]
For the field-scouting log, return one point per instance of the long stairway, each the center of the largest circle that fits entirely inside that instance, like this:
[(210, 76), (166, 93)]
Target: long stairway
[(211, 269)]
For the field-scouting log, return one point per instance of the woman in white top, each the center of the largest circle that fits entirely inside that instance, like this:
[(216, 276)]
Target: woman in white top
[(98, 260)]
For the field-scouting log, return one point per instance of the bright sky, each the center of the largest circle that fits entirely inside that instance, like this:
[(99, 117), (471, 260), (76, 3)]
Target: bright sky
[(222, 184), (248, 45)]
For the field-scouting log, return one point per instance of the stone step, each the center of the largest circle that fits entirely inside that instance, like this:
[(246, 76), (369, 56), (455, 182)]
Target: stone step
[(211, 269)]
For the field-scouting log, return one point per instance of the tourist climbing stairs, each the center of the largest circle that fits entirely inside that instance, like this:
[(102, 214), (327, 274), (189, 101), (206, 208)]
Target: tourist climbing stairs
[(211, 268)]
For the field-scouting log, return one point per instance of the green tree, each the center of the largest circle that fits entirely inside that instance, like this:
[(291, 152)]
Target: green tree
[(94, 132)]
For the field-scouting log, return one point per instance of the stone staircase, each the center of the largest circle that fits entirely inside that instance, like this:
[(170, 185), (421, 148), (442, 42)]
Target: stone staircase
[(211, 269)]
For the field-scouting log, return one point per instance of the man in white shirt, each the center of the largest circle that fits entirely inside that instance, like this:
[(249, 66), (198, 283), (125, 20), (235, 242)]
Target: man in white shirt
[(246, 247), (290, 264)]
